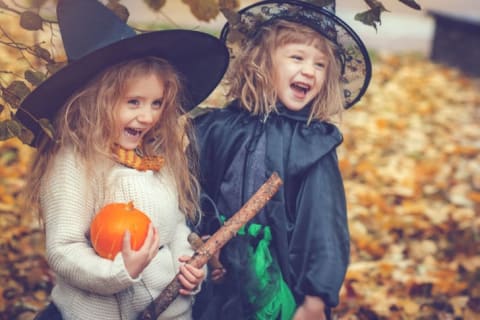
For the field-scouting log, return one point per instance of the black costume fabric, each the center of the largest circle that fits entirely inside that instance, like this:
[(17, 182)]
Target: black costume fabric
[(307, 217)]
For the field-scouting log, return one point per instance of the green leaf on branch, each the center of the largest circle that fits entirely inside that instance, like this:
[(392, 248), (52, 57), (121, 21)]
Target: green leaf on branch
[(203, 10), (42, 53), (12, 128), (375, 4), (15, 92), (55, 66), (155, 5), (235, 25), (34, 77), (370, 18), (233, 18), (30, 21), (411, 3), (26, 136), (4, 131), (46, 127)]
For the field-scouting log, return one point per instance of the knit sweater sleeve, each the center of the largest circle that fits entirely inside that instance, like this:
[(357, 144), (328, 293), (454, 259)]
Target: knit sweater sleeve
[(68, 205), (180, 245)]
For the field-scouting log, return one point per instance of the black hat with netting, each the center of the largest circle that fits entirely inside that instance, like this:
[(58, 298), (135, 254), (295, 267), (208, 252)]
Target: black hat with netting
[(353, 56)]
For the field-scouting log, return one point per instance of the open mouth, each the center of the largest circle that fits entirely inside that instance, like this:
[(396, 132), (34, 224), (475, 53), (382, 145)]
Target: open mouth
[(301, 88), (133, 132)]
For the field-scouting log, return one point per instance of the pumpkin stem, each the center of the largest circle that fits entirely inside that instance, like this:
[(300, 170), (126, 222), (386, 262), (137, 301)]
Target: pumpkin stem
[(129, 206)]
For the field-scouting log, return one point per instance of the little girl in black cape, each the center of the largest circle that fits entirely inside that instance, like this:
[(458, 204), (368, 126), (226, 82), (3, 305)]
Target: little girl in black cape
[(118, 138), (295, 66)]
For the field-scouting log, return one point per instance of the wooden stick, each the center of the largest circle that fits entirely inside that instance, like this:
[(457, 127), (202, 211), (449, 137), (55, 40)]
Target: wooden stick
[(215, 243), (196, 242)]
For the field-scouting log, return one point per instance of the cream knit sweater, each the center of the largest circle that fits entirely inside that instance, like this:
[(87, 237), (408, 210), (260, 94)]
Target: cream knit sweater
[(87, 286)]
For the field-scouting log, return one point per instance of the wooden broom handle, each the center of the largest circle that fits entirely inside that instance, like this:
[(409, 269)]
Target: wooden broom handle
[(226, 232), (196, 242)]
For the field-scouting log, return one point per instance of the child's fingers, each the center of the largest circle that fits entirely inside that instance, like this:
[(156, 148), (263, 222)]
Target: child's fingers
[(190, 277), (198, 273), (126, 248), (149, 241), (184, 259), (185, 292), (153, 238), (218, 274), (152, 241), (186, 284), (150, 234), (192, 274), (149, 248)]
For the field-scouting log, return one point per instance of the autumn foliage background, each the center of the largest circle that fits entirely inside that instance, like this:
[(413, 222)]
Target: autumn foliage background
[(411, 164)]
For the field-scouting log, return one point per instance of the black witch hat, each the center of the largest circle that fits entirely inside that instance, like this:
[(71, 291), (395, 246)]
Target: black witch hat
[(94, 39), (318, 15)]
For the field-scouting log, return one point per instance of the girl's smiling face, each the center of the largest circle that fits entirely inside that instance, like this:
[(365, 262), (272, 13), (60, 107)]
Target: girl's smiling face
[(299, 72), (139, 109)]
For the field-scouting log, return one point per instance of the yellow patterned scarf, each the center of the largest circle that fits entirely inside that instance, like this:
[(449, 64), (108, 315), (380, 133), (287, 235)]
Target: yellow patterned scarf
[(131, 159)]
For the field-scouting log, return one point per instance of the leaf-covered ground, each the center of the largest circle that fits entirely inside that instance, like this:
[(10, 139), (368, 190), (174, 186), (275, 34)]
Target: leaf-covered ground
[(411, 163)]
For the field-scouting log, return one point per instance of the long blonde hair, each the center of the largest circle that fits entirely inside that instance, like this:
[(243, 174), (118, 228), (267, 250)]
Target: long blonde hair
[(86, 124), (250, 75)]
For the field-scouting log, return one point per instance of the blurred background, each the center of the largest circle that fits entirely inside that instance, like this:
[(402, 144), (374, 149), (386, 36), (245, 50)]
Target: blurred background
[(402, 29), (410, 157)]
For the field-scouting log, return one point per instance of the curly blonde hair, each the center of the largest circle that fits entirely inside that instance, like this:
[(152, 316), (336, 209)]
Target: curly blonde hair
[(86, 123), (250, 75)]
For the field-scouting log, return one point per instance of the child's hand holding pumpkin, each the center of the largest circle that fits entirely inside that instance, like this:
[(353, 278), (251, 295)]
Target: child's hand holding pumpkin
[(120, 227), (136, 260)]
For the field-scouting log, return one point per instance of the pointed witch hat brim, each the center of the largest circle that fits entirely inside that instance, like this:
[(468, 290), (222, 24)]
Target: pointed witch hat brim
[(353, 56), (94, 39)]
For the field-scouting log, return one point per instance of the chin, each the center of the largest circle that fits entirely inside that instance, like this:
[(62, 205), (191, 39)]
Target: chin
[(295, 107), (128, 145)]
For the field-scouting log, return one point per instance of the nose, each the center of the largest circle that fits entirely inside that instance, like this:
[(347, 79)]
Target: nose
[(145, 115), (308, 69)]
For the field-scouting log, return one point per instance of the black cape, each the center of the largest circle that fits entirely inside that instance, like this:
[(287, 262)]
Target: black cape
[(307, 217)]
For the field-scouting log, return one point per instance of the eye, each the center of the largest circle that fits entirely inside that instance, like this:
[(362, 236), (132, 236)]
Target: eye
[(134, 102), (296, 57), (157, 104), (320, 65)]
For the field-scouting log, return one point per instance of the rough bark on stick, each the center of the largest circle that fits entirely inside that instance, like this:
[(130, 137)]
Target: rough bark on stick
[(196, 242), (215, 243)]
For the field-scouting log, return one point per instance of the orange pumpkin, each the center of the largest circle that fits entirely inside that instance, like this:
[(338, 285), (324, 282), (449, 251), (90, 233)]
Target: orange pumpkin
[(109, 225)]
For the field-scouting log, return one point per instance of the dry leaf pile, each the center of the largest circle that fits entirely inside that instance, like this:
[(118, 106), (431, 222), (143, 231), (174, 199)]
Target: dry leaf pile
[(411, 164), (24, 274)]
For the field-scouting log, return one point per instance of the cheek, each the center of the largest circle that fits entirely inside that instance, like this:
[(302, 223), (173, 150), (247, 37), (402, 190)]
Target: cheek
[(288, 73), (280, 80), (278, 74), (320, 81), (120, 119), (158, 115)]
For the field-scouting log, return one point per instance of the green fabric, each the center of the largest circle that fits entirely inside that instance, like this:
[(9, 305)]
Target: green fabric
[(271, 296)]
